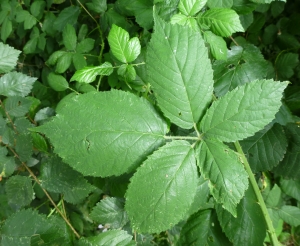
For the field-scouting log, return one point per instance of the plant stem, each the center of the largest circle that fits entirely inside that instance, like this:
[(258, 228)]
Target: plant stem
[(261, 202), (182, 138)]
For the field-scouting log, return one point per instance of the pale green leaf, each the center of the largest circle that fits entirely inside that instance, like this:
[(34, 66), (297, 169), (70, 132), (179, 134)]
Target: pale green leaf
[(64, 62), (110, 211), (69, 37), (191, 7), (114, 129), (291, 187), (228, 179), (57, 82), (123, 49), (244, 111), (290, 215), (266, 148), (219, 3), (243, 65), (8, 59), (16, 84), (19, 191), (68, 15), (163, 188), (185, 21), (85, 46), (222, 22), (217, 45), (113, 237), (17, 106), (203, 228), (59, 177), (180, 73), (6, 29), (24, 146), (248, 228), (89, 74)]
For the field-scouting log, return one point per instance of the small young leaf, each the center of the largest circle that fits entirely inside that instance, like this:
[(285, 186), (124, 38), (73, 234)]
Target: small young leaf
[(217, 45), (69, 37), (222, 22), (123, 49), (203, 228), (180, 72), (8, 59), (16, 84), (191, 7), (57, 82), (89, 74), (117, 146), (127, 72), (110, 211), (228, 179), (243, 111), (168, 171)]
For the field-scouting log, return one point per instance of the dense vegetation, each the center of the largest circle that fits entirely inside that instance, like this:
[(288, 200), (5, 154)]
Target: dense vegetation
[(149, 122)]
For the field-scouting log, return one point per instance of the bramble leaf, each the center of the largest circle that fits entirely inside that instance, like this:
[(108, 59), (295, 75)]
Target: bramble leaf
[(191, 7), (57, 82), (180, 72), (69, 37), (217, 45), (8, 58), (243, 111), (228, 179), (68, 15), (17, 106), (96, 143), (290, 215), (163, 188)]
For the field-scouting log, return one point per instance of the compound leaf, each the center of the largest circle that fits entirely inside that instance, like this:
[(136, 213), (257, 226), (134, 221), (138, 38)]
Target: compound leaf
[(163, 188), (203, 228), (96, 143), (222, 22), (247, 228), (123, 49), (8, 58), (191, 7), (228, 179), (110, 211), (180, 72), (16, 84), (58, 177), (243, 111)]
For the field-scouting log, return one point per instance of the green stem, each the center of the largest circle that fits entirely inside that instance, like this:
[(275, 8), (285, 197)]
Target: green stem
[(261, 202), (182, 138)]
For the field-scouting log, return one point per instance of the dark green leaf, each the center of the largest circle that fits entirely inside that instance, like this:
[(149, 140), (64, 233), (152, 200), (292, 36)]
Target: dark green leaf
[(24, 146), (227, 177), (8, 59), (37, 8), (291, 188), (30, 46), (285, 65), (117, 146), (79, 61), (167, 181), (273, 198), (17, 106), (63, 62), (68, 15), (69, 37), (6, 29), (290, 215), (85, 46), (39, 142), (7, 163), (54, 57), (180, 72), (243, 111), (99, 6), (57, 82)]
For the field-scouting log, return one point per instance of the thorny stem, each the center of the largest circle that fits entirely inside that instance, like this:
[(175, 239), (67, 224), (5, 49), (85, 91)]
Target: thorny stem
[(261, 202)]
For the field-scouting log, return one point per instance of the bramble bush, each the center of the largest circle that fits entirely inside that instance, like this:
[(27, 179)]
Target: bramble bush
[(138, 122)]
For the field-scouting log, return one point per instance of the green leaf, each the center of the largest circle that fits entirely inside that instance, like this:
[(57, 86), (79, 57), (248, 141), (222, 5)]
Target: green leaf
[(99, 6), (285, 65), (16, 84), (24, 146), (55, 56), (85, 46), (8, 58), (217, 45), (58, 177), (6, 29), (183, 20), (79, 61), (222, 22), (191, 7), (113, 237), (290, 215), (203, 228), (273, 198), (167, 181), (57, 82), (110, 211), (243, 111), (37, 8), (69, 37), (30, 46), (248, 228), (19, 191), (123, 49), (243, 65), (291, 188), (39, 142), (289, 167), (127, 72), (68, 15), (64, 62), (219, 3), (180, 72), (89, 74), (228, 179), (17, 106), (7, 163), (117, 146), (266, 148)]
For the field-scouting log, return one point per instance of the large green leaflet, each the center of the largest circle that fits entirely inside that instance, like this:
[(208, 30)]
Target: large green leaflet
[(228, 179), (243, 111), (249, 227), (163, 188), (8, 57), (88, 136), (180, 72)]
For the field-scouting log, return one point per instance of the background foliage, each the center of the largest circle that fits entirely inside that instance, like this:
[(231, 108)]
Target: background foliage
[(132, 122)]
